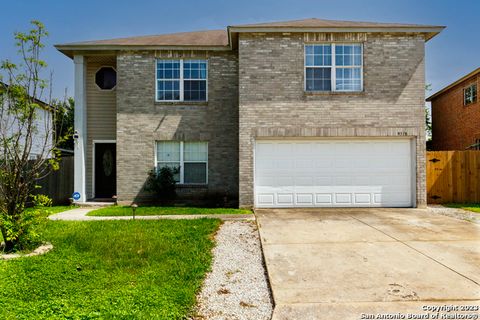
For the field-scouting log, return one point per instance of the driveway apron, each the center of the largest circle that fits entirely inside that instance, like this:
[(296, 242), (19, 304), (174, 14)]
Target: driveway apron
[(353, 263)]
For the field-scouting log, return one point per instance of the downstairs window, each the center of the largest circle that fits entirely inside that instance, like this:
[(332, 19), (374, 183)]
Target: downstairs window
[(188, 160)]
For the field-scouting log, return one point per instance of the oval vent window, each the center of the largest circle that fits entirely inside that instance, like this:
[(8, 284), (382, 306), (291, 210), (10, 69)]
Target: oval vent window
[(106, 78)]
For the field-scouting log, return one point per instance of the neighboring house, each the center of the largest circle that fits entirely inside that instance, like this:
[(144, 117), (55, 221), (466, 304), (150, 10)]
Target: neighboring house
[(42, 139), (456, 115), (297, 113)]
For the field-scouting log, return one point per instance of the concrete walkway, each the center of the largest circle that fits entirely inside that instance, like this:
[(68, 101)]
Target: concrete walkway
[(342, 263), (80, 214)]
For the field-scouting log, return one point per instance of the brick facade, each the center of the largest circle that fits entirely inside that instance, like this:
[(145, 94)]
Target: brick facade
[(258, 92), (455, 126), (141, 121), (273, 102)]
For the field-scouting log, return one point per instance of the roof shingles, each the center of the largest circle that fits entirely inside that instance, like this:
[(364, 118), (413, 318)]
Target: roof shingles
[(219, 39), (323, 23), (197, 38)]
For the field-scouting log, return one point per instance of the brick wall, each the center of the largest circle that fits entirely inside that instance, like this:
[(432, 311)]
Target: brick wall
[(273, 102), (455, 126), (141, 121)]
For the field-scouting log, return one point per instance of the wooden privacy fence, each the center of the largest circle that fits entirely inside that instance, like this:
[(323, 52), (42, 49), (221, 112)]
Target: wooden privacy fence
[(58, 185), (453, 176)]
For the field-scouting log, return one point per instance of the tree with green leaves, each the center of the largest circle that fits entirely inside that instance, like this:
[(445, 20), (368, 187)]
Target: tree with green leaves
[(24, 96), (64, 123)]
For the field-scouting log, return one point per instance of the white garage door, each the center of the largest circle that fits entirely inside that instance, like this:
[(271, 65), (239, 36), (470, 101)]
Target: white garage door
[(333, 173)]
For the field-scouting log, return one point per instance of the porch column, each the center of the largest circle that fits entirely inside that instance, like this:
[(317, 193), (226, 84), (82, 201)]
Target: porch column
[(80, 125)]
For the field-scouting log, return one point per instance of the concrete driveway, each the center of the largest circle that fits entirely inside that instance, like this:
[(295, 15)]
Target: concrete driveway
[(354, 263)]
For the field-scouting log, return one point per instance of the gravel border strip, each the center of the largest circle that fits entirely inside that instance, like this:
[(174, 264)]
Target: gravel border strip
[(455, 213), (237, 287), (44, 248)]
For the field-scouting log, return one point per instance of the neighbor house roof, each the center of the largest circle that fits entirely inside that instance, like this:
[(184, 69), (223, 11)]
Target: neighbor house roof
[(44, 105), (450, 86), (222, 39)]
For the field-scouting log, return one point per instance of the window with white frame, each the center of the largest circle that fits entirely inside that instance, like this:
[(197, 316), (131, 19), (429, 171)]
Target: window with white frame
[(181, 80), (334, 67), (188, 160), (470, 94)]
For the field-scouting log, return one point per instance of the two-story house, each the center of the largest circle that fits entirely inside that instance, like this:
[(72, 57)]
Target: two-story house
[(311, 113), (456, 115)]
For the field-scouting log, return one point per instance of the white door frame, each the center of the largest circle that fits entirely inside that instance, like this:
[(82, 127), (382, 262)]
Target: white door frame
[(93, 161)]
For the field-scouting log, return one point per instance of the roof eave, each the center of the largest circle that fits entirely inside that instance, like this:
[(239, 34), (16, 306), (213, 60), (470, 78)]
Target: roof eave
[(429, 31), (70, 49)]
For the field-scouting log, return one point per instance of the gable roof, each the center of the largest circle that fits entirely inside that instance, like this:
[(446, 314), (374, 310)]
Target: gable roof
[(225, 39), (450, 86)]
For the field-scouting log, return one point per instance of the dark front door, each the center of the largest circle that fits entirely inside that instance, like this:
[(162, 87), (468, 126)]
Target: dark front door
[(105, 170)]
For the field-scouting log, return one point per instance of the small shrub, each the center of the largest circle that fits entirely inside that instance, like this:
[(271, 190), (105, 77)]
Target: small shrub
[(24, 230), (162, 183)]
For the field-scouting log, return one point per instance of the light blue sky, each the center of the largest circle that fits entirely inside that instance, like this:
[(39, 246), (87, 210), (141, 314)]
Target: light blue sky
[(450, 55)]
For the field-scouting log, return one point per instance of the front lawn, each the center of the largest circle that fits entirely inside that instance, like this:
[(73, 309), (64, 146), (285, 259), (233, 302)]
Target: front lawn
[(475, 207), (110, 270), (153, 211)]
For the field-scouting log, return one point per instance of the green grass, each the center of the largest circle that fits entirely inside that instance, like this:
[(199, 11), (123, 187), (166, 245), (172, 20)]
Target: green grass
[(475, 207), (56, 209), (110, 270), (151, 211)]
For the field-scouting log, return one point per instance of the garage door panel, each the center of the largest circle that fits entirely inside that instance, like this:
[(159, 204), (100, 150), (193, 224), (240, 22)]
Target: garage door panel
[(285, 198), (341, 147), (342, 180), (323, 199), (323, 181), (275, 183), (363, 198), (304, 199), (343, 198), (333, 173), (285, 148), (304, 164), (265, 199), (392, 199), (305, 181), (323, 163), (283, 163), (362, 180)]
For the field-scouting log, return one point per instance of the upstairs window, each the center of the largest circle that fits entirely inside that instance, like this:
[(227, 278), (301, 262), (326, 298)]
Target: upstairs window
[(470, 95), (181, 80), (334, 67)]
